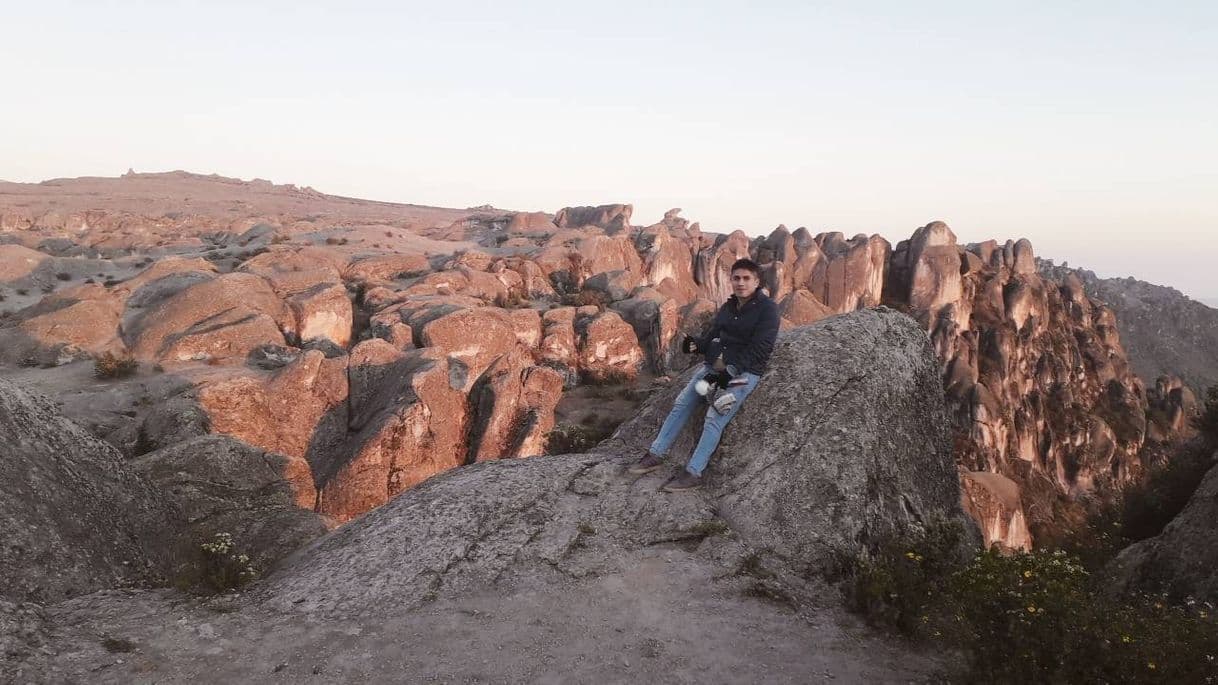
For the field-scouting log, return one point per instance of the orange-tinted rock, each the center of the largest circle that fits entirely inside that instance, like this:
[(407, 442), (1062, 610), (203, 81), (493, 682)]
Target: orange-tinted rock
[(612, 285), (17, 262), (65, 326), (712, 270), (558, 344), (608, 348), (408, 423), (531, 222), (667, 259), (286, 412), (387, 267), (801, 308), (512, 405), (853, 274), (612, 218), (993, 501), (222, 318), (323, 312), (656, 321), (472, 339)]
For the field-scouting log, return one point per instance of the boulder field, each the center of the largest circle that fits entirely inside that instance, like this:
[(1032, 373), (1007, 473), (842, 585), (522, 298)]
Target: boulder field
[(558, 567)]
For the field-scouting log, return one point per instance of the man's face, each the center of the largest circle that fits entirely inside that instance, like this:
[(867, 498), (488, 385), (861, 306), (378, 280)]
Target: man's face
[(744, 283)]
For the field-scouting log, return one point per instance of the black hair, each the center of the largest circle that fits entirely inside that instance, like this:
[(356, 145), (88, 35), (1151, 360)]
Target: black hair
[(746, 263)]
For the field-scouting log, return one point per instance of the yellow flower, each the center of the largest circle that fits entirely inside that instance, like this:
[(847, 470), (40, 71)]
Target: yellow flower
[(1150, 665), (1031, 609), (1126, 639), (1027, 574), (909, 555)]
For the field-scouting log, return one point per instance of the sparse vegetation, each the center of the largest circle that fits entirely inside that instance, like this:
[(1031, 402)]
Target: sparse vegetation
[(110, 366), (1032, 617), (568, 439), (63, 276), (22, 291), (224, 566)]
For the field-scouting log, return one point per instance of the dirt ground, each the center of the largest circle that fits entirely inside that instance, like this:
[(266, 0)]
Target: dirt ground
[(666, 619)]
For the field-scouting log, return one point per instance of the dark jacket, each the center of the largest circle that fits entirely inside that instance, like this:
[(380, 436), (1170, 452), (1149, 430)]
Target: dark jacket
[(744, 335)]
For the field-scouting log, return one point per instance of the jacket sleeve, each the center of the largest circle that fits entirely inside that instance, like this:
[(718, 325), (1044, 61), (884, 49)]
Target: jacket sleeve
[(761, 345)]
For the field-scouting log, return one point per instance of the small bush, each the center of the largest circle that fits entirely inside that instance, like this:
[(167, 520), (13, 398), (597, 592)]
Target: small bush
[(22, 291), (224, 566), (568, 439), (63, 276), (1036, 617), (111, 366)]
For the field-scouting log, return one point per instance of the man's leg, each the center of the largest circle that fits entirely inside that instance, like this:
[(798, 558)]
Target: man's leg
[(712, 430), (678, 416)]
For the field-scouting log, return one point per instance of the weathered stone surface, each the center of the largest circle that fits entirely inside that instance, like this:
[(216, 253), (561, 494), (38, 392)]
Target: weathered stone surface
[(656, 320), (64, 326), (18, 263), (408, 422), (1180, 560), (512, 405), (858, 451), (387, 267), (323, 312), (226, 317), (296, 412), (74, 517), (713, 265), (472, 339), (801, 307), (809, 480), (612, 285), (226, 486), (609, 217), (993, 501), (558, 343), (608, 349)]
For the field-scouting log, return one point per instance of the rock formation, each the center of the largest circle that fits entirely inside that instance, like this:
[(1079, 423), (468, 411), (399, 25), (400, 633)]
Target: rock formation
[(374, 345), (1180, 560), (74, 518)]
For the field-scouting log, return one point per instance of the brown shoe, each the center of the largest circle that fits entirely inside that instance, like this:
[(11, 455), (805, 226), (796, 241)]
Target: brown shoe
[(683, 481), (647, 464)]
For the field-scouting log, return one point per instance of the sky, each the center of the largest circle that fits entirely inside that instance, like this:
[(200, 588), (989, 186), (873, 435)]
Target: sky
[(1090, 128)]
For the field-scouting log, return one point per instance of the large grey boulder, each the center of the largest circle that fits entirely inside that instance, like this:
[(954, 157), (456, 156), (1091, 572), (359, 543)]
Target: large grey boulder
[(1183, 559), (74, 517), (843, 444), (226, 486)]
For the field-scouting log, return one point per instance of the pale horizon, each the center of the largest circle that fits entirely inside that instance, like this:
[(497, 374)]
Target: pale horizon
[(1087, 129)]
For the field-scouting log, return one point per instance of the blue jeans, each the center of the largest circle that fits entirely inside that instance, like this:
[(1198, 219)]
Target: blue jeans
[(712, 429)]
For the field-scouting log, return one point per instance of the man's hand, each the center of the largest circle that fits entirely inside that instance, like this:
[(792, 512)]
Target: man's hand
[(690, 345), (719, 379)]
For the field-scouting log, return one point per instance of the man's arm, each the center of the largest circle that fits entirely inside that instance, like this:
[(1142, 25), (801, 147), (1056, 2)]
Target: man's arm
[(758, 351)]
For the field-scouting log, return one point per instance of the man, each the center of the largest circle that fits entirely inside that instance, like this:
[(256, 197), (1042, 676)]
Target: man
[(736, 350)]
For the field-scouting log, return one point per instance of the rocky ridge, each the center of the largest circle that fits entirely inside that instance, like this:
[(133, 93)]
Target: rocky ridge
[(375, 355), (558, 553)]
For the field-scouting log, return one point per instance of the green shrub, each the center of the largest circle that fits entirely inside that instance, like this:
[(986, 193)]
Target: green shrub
[(110, 366), (1039, 617), (1036, 617), (224, 566), (896, 585)]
